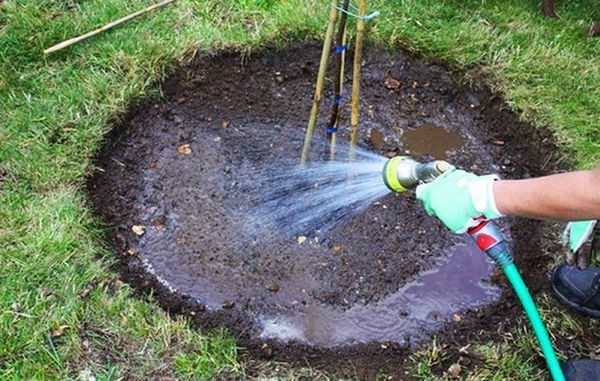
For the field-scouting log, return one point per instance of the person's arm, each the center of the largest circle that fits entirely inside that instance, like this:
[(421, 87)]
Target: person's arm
[(566, 196), (458, 198)]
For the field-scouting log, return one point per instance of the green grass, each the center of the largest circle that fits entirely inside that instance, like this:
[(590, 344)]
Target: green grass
[(218, 353), (54, 110)]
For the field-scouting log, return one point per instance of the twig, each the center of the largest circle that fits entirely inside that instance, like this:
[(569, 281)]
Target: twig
[(341, 44), (106, 27), (319, 87), (360, 31)]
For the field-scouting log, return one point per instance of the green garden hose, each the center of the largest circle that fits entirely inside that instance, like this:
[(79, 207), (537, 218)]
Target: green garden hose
[(532, 313), (489, 239)]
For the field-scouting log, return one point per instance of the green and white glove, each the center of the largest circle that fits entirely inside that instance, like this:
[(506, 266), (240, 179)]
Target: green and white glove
[(576, 235), (579, 232), (458, 197)]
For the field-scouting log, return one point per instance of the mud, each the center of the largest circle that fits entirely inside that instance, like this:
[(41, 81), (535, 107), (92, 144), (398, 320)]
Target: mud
[(388, 278), (432, 140)]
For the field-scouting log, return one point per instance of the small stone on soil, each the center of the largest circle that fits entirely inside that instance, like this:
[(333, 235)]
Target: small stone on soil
[(272, 287), (267, 351), (184, 149), (392, 83), (138, 229), (228, 304), (454, 370), (301, 239)]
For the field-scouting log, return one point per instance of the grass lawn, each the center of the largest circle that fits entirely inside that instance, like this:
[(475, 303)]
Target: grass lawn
[(63, 311)]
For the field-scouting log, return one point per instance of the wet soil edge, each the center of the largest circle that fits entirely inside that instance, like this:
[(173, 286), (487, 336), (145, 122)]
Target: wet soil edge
[(532, 152)]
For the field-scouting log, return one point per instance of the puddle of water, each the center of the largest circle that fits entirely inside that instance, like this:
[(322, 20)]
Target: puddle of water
[(377, 138), (433, 140), (432, 299)]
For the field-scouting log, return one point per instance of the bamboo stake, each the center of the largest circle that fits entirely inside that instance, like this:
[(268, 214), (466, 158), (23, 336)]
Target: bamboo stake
[(320, 82), (360, 31), (341, 82), (106, 27), (341, 41)]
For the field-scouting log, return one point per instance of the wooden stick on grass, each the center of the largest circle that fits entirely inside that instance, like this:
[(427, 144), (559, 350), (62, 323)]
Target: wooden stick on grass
[(340, 44), (320, 82), (360, 31), (106, 27)]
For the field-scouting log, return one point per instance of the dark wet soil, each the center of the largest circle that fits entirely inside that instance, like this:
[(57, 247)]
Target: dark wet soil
[(371, 289)]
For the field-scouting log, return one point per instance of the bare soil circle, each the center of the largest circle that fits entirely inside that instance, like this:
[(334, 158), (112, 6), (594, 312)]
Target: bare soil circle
[(378, 285)]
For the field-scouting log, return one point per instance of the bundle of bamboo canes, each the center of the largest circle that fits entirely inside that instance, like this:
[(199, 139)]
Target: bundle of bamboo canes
[(340, 48)]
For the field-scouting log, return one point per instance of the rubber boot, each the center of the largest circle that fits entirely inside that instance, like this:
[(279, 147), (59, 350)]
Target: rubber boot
[(581, 370)]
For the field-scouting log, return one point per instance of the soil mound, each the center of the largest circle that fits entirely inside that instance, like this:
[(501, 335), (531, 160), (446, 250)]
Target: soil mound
[(167, 191)]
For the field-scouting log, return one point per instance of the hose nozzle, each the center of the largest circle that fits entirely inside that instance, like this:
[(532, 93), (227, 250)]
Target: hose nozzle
[(402, 173)]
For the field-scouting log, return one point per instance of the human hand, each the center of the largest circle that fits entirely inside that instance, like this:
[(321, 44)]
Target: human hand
[(458, 198)]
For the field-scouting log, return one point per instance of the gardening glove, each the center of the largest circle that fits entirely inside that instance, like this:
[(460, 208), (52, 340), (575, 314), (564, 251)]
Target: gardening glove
[(576, 234), (458, 198)]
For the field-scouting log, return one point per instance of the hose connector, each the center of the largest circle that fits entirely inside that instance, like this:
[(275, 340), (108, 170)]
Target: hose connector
[(490, 239)]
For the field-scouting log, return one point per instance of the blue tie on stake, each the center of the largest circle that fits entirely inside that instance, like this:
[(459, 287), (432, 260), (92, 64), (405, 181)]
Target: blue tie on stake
[(341, 48)]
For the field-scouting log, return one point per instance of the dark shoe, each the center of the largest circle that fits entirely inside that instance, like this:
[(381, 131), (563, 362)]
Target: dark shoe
[(578, 289), (580, 370)]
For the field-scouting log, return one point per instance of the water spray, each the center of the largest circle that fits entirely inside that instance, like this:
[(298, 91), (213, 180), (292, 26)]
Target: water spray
[(402, 173)]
